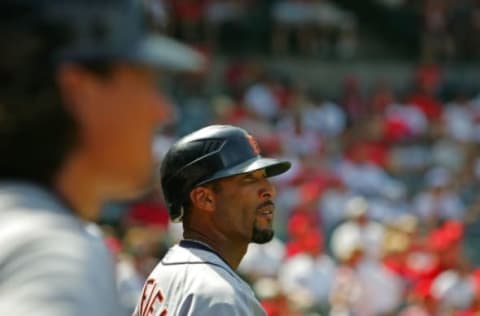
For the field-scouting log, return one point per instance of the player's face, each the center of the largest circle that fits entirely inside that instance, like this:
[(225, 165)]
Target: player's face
[(245, 207), (118, 118)]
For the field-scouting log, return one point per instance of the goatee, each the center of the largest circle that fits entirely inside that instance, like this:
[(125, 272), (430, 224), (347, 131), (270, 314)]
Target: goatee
[(262, 236)]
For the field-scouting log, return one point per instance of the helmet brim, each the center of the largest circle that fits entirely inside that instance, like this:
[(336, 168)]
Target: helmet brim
[(273, 167)]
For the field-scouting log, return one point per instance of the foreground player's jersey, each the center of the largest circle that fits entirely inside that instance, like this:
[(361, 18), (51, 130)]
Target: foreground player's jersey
[(50, 263), (192, 280)]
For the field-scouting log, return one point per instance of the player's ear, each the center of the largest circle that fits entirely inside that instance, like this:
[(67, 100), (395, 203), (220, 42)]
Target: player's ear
[(79, 90), (203, 198), (73, 83)]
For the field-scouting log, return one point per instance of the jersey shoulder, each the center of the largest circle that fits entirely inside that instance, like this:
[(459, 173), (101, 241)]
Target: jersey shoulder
[(202, 266), (55, 265), (205, 273), (197, 282)]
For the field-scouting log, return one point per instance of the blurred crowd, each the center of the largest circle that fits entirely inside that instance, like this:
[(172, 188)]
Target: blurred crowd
[(446, 30), (376, 216), (379, 213), (306, 27)]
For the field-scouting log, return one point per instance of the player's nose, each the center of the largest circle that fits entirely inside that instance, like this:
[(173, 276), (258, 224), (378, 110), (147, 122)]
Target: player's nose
[(268, 190)]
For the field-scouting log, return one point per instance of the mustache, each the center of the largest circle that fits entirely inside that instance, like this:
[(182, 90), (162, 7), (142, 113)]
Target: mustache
[(265, 204)]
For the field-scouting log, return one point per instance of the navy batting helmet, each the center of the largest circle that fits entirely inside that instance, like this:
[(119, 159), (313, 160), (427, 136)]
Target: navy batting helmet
[(211, 153)]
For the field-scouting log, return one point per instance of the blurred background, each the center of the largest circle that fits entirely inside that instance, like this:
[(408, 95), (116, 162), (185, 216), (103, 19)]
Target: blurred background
[(377, 104)]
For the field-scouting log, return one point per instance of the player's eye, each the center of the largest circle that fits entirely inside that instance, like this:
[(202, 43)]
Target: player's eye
[(249, 178)]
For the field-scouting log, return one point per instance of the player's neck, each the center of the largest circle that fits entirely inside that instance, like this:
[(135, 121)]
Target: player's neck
[(74, 184), (231, 252)]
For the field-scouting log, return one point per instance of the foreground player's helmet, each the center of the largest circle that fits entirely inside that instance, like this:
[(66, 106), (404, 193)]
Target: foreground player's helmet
[(211, 153), (92, 30)]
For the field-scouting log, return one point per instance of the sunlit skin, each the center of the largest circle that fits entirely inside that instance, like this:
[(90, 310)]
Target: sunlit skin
[(117, 116), (232, 213)]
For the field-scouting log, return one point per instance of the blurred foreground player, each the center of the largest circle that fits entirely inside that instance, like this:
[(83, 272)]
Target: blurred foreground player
[(78, 111), (216, 182)]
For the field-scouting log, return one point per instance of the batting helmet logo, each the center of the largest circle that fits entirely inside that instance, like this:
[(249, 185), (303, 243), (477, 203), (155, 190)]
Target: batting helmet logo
[(254, 144)]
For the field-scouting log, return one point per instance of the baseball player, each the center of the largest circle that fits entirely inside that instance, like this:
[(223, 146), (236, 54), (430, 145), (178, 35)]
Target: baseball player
[(78, 111), (216, 182)]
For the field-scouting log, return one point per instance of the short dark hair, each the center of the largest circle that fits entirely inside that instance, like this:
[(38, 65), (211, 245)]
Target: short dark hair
[(36, 130)]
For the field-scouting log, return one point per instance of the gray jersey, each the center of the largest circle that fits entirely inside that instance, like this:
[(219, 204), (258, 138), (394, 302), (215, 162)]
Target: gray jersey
[(49, 264), (192, 280)]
